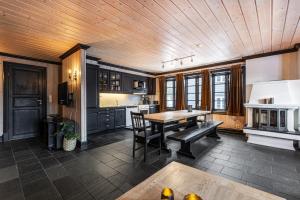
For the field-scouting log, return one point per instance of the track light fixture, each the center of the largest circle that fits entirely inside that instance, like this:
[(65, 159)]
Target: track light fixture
[(177, 59)]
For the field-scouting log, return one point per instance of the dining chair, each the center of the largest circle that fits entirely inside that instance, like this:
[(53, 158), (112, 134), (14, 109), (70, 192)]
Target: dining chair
[(142, 135)]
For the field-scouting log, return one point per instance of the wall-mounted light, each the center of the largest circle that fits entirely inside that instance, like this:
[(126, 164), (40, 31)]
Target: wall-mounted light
[(75, 75), (72, 76)]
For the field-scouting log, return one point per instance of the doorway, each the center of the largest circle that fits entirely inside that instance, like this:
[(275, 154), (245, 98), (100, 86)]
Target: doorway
[(24, 100)]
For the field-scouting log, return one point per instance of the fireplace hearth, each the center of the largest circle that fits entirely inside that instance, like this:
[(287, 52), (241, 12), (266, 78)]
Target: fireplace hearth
[(270, 119)]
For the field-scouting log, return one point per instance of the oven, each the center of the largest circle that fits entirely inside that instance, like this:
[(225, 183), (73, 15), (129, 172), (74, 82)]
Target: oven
[(144, 109)]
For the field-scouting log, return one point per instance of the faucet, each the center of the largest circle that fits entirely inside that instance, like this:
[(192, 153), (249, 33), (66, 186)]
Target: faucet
[(117, 103)]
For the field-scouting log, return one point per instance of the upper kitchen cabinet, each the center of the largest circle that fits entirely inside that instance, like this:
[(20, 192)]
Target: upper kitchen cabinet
[(115, 79), (127, 83), (104, 77), (151, 86)]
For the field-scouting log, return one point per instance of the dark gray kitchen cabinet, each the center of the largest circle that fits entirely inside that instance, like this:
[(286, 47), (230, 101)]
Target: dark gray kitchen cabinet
[(92, 98), (106, 119), (127, 83), (153, 108), (92, 122), (92, 86), (120, 117), (151, 86), (115, 79), (103, 83)]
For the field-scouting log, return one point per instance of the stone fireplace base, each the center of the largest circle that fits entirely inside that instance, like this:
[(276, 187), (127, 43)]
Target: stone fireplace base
[(272, 139)]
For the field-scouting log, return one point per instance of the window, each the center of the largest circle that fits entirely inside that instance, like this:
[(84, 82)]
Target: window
[(193, 88), (220, 88), (171, 93)]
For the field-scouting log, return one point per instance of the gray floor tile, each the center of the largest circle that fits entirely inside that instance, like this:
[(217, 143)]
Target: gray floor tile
[(8, 173)]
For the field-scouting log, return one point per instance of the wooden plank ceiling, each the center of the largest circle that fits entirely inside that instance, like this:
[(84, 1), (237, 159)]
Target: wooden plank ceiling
[(143, 33)]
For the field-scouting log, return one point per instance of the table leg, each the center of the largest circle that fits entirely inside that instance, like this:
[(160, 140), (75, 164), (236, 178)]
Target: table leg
[(185, 150), (214, 134), (192, 122)]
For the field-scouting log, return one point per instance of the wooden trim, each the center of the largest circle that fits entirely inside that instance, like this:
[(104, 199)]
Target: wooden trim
[(92, 58), (125, 68), (243, 59), (29, 58), (273, 53), (73, 50), (202, 67)]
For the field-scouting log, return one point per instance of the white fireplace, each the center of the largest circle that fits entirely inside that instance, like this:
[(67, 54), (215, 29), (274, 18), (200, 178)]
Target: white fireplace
[(273, 116)]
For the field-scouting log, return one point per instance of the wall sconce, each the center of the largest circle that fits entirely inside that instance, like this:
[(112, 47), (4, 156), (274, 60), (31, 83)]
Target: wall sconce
[(72, 76), (75, 75)]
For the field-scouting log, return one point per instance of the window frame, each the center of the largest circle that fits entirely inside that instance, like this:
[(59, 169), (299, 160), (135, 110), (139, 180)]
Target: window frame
[(227, 74), (197, 77), (174, 93)]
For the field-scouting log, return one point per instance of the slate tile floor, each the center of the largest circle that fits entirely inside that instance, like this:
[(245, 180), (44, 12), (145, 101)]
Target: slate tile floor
[(107, 170)]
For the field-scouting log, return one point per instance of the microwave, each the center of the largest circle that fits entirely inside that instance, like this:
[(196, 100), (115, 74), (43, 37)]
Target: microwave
[(139, 84)]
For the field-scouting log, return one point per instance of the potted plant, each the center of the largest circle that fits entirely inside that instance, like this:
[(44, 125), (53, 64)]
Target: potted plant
[(67, 128)]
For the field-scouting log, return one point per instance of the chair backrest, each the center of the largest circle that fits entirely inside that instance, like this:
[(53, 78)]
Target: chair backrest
[(138, 122)]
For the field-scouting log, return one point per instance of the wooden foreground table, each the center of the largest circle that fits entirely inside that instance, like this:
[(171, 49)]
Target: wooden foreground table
[(183, 179)]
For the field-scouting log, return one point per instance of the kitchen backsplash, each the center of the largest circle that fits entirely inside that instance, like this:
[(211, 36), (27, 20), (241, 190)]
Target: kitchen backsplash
[(109, 99)]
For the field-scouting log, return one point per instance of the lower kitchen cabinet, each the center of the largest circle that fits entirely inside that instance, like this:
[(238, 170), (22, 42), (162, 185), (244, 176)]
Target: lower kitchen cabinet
[(106, 119), (92, 122), (153, 108), (120, 117)]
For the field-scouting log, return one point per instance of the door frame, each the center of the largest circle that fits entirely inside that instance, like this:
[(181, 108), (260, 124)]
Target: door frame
[(6, 86)]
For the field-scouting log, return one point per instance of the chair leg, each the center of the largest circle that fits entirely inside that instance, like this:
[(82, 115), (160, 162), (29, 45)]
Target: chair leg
[(133, 149), (159, 152), (145, 151)]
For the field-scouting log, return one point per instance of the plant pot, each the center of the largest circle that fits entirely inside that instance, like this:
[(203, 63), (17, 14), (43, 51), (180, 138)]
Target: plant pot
[(69, 145)]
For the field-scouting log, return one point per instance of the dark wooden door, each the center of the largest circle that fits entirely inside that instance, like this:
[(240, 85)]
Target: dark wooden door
[(25, 100)]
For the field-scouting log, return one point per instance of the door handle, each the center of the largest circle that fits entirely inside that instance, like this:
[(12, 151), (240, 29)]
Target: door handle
[(40, 101)]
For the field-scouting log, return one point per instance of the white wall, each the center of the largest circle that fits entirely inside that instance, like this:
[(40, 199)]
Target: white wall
[(272, 68), (52, 83)]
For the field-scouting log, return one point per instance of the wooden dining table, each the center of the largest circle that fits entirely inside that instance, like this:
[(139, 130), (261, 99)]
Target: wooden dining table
[(183, 180), (159, 121)]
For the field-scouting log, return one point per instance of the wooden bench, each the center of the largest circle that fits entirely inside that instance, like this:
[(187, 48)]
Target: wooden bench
[(192, 134)]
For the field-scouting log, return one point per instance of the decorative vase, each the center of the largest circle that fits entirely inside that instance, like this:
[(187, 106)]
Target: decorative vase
[(69, 145)]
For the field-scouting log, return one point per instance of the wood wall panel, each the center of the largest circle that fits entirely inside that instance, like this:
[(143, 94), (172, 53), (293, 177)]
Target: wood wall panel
[(143, 33), (231, 122)]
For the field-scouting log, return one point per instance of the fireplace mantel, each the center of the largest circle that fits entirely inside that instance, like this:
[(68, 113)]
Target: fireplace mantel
[(283, 106)]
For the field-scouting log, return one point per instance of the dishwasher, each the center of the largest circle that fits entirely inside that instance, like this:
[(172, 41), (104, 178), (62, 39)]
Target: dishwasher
[(128, 116)]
